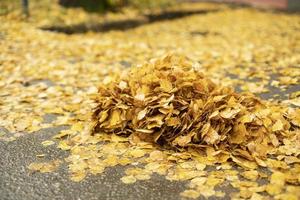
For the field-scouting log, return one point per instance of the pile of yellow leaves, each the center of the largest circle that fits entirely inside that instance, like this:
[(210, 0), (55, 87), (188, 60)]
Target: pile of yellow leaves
[(222, 141), (168, 101)]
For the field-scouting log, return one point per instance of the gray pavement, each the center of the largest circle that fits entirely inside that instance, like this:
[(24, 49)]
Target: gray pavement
[(17, 182)]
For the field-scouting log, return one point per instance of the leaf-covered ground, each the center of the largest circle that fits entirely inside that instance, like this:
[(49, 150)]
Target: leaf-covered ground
[(49, 73)]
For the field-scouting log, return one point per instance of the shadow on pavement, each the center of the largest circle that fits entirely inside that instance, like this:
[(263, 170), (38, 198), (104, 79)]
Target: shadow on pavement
[(123, 24)]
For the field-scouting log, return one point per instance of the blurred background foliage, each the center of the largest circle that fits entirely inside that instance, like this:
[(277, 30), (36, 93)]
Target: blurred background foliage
[(114, 5), (95, 6)]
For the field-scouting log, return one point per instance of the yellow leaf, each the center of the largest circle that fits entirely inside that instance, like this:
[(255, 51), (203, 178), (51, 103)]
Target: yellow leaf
[(77, 127), (142, 114), (128, 179), (47, 143), (166, 85), (278, 126)]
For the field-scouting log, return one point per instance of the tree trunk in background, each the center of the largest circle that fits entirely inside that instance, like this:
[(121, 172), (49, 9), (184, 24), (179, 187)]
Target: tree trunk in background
[(25, 7)]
